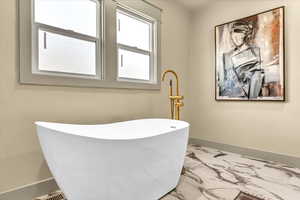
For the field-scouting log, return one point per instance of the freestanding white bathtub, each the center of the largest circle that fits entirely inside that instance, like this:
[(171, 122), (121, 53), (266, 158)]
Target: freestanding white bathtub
[(134, 160)]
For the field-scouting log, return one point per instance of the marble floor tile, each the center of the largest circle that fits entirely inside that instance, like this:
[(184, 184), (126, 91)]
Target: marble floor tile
[(210, 174)]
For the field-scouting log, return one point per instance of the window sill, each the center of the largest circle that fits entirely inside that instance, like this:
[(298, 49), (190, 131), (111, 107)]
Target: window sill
[(35, 79)]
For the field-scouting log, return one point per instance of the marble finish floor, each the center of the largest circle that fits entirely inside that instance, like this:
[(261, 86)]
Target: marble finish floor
[(210, 174)]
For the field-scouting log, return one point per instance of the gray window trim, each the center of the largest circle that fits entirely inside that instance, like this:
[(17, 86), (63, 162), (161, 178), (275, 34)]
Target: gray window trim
[(108, 44)]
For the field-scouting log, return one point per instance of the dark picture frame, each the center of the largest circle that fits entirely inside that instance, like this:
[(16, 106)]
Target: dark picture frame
[(250, 58)]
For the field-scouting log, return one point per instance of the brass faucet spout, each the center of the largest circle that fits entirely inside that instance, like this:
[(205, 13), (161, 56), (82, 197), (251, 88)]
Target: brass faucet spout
[(176, 76), (176, 101)]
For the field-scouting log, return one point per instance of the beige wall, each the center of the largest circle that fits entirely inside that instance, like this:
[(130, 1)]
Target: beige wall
[(264, 126), (21, 161), (187, 47)]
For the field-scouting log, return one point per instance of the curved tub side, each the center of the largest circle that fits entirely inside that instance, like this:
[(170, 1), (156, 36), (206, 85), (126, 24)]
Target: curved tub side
[(93, 169), (130, 130)]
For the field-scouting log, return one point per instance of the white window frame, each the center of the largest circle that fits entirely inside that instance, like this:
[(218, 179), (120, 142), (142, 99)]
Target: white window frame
[(36, 26), (153, 43), (107, 59)]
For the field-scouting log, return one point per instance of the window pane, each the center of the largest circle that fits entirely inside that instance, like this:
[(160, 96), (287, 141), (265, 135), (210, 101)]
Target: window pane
[(76, 15), (133, 32), (134, 65), (58, 53)]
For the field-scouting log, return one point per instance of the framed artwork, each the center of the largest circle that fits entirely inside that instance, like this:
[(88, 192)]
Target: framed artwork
[(250, 58)]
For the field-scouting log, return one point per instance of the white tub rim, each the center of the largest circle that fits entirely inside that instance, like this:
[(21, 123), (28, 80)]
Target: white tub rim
[(175, 125)]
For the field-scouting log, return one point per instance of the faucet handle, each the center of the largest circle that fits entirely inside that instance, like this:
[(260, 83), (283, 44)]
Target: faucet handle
[(177, 97), (179, 104)]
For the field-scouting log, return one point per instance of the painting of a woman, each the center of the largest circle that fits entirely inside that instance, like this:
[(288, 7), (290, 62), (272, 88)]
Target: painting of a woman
[(249, 58)]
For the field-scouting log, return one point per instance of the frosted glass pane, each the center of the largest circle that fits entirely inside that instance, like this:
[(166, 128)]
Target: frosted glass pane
[(77, 15), (58, 53), (133, 32), (134, 65)]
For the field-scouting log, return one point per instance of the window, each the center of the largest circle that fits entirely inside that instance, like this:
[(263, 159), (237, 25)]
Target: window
[(135, 38), (66, 43), (55, 51), (90, 43)]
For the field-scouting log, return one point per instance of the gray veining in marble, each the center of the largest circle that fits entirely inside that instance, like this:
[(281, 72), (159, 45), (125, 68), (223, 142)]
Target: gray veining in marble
[(210, 174)]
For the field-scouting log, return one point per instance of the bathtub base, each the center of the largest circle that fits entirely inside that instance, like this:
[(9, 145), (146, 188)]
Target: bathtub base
[(95, 169)]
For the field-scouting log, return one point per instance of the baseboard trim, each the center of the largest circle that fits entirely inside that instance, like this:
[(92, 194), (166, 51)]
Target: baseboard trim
[(285, 159), (29, 192)]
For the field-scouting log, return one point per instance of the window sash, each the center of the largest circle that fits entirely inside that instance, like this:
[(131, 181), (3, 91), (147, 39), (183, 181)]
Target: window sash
[(152, 65), (99, 20), (36, 26), (64, 55), (139, 17), (139, 51), (64, 32), (152, 53)]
